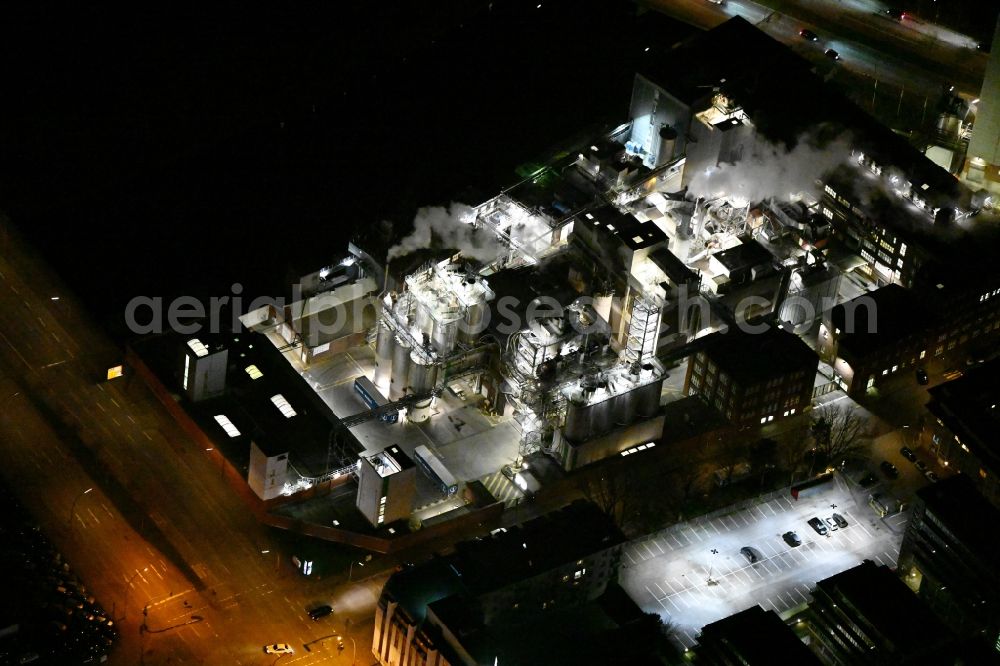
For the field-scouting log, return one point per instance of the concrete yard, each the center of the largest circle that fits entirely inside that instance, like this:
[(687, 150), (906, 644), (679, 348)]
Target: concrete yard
[(470, 444), (693, 573)]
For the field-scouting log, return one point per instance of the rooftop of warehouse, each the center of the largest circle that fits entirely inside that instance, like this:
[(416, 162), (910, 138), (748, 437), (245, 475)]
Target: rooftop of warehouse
[(266, 400), (630, 232)]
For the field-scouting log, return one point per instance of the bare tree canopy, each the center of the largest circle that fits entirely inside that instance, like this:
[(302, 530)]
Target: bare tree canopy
[(838, 434)]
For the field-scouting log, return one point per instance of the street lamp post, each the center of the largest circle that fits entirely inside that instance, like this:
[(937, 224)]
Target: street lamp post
[(128, 586), (72, 507)]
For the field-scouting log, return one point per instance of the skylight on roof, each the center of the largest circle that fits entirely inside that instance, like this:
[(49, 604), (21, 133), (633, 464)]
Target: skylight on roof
[(283, 406), (198, 347), (610, 227), (636, 239), (254, 372), (227, 425)]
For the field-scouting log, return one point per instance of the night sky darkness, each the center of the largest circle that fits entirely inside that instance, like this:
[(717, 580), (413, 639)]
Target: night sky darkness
[(178, 152)]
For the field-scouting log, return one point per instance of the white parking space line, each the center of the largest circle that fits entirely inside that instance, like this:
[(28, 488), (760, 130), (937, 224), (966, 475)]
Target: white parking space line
[(658, 546), (628, 554), (863, 528)]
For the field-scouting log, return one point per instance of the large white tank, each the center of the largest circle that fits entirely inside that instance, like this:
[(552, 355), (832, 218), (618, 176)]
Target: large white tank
[(648, 398), (577, 428), (423, 375), (400, 369), (383, 355), (444, 334), (422, 319), (626, 408), (473, 324), (602, 419)]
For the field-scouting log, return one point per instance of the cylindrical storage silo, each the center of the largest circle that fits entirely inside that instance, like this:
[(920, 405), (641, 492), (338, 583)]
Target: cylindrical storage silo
[(473, 324), (400, 369), (422, 319), (577, 427), (602, 419), (648, 398), (444, 334), (383, 355), (627, 407), (665, 151), (422, 377)]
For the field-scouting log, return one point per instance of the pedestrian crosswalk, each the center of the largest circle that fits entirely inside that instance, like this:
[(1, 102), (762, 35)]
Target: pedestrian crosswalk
[(501, 488)]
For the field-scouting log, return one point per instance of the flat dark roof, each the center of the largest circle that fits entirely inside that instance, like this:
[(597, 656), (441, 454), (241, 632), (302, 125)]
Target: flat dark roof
[(896, 313), (629, 231), (753, 358), (672, 267), (970, 408), (874, 597), (542, 544), (253, 405), (520, 552), (755, 637), (955, 502), (747, 254)]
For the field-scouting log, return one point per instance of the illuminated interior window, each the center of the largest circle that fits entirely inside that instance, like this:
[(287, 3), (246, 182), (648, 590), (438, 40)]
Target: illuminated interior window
[(254, 372), (187, 368), (227, 425), (198, 347), (283, 406)]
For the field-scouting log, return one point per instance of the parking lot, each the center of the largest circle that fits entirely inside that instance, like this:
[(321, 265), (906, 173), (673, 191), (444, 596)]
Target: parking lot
[(693, 573)]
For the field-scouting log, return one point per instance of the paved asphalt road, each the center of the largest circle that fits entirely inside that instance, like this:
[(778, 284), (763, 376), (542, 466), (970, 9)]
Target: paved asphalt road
[(912, 53), (161, 528)]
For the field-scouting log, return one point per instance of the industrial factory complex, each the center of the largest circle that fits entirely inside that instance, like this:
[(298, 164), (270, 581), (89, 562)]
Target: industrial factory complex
[(701, 247)]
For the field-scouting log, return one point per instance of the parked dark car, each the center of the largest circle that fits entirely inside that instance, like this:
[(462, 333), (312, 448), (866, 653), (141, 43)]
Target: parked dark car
[(897, 14), (922, 377), (809, 34), (921, 465), (320, 611), (792, 539), (908, 454), (889, 469), (840, 520), (931, 476), (818, 525), (868, 480), (831, 54), (750, 553)]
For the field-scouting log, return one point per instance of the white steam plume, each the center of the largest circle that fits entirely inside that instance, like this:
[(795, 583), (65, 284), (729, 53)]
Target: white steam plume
[(439, 227), (772, 170)]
